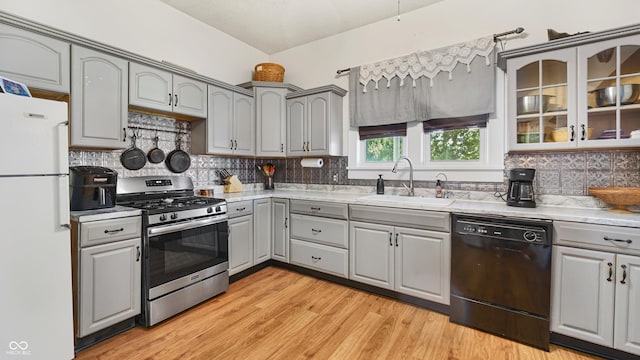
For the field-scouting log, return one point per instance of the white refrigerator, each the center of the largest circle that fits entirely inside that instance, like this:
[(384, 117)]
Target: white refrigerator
[(36, 318)]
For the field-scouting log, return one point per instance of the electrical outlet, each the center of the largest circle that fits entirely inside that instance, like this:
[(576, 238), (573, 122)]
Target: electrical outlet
[(335, 178)]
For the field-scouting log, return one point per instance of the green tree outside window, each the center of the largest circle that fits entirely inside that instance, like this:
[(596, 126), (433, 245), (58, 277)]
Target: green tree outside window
[(460, 144), (383, 149)]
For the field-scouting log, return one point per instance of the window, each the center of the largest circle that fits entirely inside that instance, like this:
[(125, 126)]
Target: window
[(384, 149), (456, 144)]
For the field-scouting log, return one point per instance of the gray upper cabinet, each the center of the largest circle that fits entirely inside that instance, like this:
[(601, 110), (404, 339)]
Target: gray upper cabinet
[(230, 126), (271, 121), (98, 99), (161, 90), (314, 122), (35, 60)]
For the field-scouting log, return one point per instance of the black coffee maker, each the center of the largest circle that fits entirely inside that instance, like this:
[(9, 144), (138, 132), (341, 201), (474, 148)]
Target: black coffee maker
[(521, 188)]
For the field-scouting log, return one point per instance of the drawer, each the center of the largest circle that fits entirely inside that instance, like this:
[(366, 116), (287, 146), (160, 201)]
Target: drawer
[(320, 257), (320, 230), (319, 208), (240, 208), (419, 219), (106, 231), (598, 237)]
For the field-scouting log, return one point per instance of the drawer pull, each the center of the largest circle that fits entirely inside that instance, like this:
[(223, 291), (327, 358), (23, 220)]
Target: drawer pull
[(241, 209), (628, 241), (610, 265), (315, 208), (316, 231), (113, 231), (624, 274), (315, 259)]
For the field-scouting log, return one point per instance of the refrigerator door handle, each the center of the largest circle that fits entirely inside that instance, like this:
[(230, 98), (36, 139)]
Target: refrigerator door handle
[(63, 143), (63, 201)]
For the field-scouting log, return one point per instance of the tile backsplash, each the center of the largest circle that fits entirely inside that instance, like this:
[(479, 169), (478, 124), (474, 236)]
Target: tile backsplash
[(557, 173)]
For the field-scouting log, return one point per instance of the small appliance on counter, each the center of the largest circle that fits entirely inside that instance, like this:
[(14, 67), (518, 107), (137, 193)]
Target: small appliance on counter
[(92, 187), (520, 191)]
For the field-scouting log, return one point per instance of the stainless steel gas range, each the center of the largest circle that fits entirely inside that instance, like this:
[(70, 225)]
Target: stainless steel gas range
[(185, 244)]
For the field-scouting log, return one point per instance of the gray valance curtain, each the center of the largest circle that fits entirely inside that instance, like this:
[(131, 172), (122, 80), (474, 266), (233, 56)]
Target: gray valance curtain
[(390, 92)]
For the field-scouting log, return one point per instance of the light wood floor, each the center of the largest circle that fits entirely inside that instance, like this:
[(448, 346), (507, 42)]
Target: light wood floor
[(279, 314)]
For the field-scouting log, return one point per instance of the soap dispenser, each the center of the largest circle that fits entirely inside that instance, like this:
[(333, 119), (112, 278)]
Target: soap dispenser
[(380, 185), (438, 189)]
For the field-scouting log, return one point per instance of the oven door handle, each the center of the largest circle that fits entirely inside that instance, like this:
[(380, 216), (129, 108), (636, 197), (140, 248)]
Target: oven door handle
[(186, 225)]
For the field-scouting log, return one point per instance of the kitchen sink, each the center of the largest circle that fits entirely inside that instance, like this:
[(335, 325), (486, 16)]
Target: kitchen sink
[(408, 199)]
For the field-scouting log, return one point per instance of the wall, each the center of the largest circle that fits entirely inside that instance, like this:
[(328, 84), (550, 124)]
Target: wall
[(149, 28)]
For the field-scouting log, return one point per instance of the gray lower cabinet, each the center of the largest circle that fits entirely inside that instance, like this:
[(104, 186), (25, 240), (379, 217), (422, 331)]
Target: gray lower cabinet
[(106, 272), (596, 284), (240, 236), (99, 107), (408, 260), (280, 240), (153, 88), (37, 61), (320, 241), (262, 233)]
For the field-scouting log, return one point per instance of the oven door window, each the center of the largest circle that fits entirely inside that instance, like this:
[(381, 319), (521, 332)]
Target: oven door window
[(180, 253)]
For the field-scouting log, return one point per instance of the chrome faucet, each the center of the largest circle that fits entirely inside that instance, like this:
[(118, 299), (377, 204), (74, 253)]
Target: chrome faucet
[(395, 170)]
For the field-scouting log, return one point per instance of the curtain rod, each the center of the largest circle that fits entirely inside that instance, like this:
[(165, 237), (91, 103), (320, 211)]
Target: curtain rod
[(517, 30)]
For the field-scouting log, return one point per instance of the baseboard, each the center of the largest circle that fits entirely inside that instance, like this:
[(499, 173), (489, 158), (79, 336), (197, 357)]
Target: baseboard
[(591, 348)]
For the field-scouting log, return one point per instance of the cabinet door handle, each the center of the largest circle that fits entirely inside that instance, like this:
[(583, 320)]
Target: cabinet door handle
[(231, 145), (610, 265), (236, 145), (628, 241), (583, 131), (316, 231), (170, 99), (315, 258), (573, 133), (286, 223), (624, 274), (396, 239), (137, 253), (281, 147), (113, 231), (390, 239), (175, 103), (124, 134)]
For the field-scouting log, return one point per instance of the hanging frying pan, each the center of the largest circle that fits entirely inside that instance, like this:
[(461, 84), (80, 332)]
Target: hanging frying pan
[(133, 158), (155, 155), (178, 161)]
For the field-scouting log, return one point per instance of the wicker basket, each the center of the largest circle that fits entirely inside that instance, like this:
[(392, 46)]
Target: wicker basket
[(268, 72)]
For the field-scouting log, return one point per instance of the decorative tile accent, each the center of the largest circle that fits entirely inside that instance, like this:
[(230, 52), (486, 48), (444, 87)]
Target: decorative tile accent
[(626, 160), (573, 182), (549, 162), (599, 160), (548, 179), (599, 178), (573, 161)]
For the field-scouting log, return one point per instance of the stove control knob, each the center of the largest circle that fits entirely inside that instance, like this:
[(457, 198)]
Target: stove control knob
[(218, 209), (209, 210), (174, 216), (163, 217), (530, 236)]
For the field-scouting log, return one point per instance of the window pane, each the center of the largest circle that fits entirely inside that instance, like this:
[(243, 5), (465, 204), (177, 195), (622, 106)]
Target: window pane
[(383, 149), (459, 144)]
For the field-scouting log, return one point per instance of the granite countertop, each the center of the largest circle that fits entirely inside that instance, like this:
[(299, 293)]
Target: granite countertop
[(104, 214), (492, 208)]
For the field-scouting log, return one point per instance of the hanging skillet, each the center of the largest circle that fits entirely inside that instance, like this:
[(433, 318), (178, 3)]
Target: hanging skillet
[(156, 155), (133, 158), (178, 161)]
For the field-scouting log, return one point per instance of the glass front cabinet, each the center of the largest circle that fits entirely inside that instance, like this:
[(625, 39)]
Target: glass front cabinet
[(586, 96)]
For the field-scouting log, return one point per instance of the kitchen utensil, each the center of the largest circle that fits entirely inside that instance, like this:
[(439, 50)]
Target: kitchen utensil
[(530, 104), (619, 197), (178, 160), (133, 158), (629, 94), (156, 155)]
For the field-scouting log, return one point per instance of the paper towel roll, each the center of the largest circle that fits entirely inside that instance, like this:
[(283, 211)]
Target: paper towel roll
[(311, 162)]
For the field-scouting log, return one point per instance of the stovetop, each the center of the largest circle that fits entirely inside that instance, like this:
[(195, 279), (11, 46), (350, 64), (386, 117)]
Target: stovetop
[(170, 204)]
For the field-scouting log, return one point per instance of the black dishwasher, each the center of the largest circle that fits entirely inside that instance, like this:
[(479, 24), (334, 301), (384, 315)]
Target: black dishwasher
[(501, 276)]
